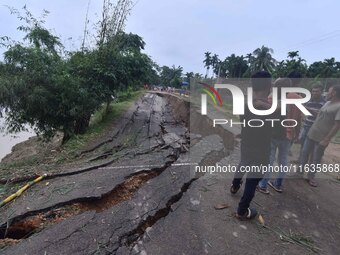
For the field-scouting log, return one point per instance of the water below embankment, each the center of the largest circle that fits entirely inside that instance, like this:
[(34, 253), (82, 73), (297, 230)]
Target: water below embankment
[(7, 141)]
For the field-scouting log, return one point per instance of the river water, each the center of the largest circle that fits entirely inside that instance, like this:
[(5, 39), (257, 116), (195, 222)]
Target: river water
[(7, 141)]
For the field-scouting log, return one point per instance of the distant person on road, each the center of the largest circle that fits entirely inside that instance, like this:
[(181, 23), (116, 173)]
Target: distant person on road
[(325, 126), (313, 106), (255, 145)]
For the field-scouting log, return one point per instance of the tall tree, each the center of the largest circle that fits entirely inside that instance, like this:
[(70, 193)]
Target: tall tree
[(329, 67), (215, 61), (171, 76), (250, 58), (111, 40), (54, 92), (198, 76), (233, 67), (293, 54), (188, 76), (43, 93), (293, 63), (114, 17), (263, 59), (207, 62)]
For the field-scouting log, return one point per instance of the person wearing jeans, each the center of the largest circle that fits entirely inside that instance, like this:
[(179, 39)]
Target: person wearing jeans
[(282, 146), (280, 143), (314, 105), (326, 125), (312, 147)]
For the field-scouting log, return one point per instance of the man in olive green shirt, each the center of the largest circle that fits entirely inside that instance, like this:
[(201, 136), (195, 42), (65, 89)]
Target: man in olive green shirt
[(326, 125)]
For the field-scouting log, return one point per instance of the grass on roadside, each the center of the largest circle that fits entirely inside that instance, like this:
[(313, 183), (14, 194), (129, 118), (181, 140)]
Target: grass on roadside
[(100, 122)]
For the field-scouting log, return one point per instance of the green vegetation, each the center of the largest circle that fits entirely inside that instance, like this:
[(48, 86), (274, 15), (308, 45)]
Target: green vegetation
[(53, 90), (171, 76), (100, 122), (262, 59), (30, 161)]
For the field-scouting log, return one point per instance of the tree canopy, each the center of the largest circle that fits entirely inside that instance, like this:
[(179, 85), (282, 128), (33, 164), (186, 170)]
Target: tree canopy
[(261, 59), (53, 90)]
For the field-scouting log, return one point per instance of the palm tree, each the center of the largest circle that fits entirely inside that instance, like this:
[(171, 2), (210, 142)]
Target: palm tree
[(188, 76), (236, 66), (337, 66), (293, 54), (329, 67), (315, 69), (171, 76), (215, 63), (231, 63), (198, 76), (242, 66), (176, 76), (249, 58), (263, 59), (207, 62), (294, 63)]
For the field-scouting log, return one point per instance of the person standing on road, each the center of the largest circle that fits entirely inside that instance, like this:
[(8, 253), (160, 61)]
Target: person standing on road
[(325, 126), (280, 143), (313, 106), (255, 145), (294, 112)]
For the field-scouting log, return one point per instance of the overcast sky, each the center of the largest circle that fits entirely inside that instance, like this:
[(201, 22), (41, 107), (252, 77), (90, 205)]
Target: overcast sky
[(180, 31)]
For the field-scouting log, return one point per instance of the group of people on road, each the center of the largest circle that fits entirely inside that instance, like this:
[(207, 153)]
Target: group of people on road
[(260, 145)]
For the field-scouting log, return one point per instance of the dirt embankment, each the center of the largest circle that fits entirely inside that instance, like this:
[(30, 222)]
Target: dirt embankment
[(32, 148), (200, 124)]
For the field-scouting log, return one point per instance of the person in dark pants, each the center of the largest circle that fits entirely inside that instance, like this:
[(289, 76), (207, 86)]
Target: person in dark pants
[(255, 145)]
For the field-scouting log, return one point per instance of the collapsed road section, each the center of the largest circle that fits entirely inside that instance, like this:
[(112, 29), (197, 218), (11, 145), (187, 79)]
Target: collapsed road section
[(143, 169)]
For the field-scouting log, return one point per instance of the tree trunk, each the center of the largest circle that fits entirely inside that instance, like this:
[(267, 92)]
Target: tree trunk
[(107, 108), (67, 135), (82, 124)]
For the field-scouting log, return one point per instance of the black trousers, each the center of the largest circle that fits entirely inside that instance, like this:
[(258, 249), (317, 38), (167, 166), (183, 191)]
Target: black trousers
[(250, 185)]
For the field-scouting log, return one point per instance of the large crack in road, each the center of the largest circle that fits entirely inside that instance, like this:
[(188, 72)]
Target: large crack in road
[(107, 231), (136, 192), (106, 208)]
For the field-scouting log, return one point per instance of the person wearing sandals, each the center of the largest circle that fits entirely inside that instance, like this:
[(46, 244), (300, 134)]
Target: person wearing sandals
[(281, 143), (255, 145), (325, 126)]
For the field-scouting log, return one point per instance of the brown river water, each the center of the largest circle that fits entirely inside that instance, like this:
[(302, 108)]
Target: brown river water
[(7, 141)]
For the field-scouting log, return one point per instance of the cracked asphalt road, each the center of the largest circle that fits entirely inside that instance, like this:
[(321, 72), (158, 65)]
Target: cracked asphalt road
[(172, 210), (150, 139)]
